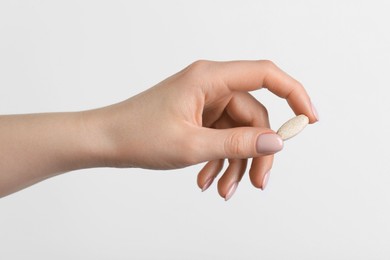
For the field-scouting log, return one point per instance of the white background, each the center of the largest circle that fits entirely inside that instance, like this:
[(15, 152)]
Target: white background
[(329, 191)]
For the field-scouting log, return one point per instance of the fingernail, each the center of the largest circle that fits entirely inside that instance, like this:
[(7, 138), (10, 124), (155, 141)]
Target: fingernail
[(269, 143), (265, 180), (231, 191), (315, 112), (207, 184)]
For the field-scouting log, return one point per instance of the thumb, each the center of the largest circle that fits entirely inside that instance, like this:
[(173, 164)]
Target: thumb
[(238, 142)]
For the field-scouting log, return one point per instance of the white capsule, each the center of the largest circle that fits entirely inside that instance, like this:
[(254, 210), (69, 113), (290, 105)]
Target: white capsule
[(292, 127)]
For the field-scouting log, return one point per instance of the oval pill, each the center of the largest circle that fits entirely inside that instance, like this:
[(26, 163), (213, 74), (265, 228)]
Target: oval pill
[(292, 127)]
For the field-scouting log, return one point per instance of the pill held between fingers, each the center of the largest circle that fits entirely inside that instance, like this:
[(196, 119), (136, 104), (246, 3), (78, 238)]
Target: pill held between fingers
[(292, 127)]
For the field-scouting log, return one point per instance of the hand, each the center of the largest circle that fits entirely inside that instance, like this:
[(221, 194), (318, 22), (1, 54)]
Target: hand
[(202, 113)]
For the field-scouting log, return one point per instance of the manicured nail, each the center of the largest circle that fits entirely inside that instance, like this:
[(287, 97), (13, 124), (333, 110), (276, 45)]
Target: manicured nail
[(315, 112), (231, 191), (269, 143), (265, 180), (207, 184)]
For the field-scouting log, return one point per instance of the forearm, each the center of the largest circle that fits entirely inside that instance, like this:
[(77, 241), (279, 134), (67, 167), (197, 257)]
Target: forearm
[(34, 147)]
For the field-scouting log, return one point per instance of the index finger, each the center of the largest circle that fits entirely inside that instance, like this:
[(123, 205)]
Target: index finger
[(252, 75)]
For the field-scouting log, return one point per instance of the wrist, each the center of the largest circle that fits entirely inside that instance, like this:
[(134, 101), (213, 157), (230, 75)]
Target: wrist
[(98, 148), (107, 131)]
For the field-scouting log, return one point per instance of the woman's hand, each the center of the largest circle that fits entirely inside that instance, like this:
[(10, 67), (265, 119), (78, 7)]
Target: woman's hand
[(202, 113)]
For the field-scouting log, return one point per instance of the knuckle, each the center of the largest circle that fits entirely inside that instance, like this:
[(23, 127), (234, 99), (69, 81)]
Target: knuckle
[(299, 84), (264, 111), (297, 88), (264, 115), (198, 67), (200, 63), (268, 63), (269, 66), (235, 145), (198, 72)]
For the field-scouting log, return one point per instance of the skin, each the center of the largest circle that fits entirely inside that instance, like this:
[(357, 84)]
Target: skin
[(203, 113)]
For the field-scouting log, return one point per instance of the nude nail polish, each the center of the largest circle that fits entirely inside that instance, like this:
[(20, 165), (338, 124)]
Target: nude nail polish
[(231, 191), (207, 184), (269, 143), (315, 112), (265, 180)]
